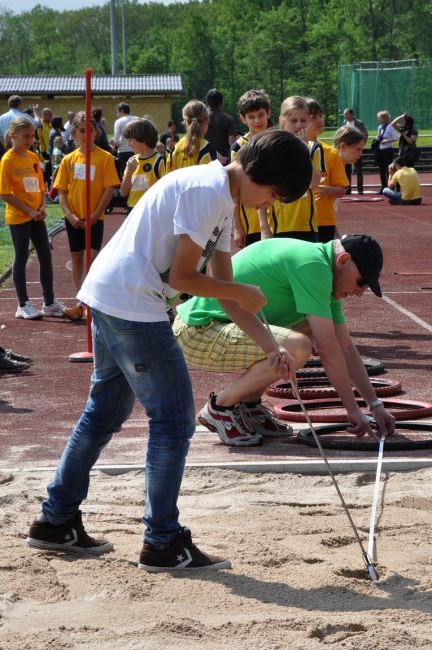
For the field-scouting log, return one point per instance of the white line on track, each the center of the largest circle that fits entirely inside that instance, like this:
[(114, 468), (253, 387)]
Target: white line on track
[(408, 313), (404, 216)]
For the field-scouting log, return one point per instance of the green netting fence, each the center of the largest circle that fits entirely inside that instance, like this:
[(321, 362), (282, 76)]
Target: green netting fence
[(393, 86)]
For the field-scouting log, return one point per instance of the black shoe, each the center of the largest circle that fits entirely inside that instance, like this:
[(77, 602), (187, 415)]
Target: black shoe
[(18, 357), (10, 365), (183, 555), (380, 192), (70, 537)]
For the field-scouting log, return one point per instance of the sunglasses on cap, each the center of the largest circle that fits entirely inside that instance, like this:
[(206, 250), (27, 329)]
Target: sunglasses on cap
[(362, 283)]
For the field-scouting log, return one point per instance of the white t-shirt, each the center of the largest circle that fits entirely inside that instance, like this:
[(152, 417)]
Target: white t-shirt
[(129, 278), (389, 134), (119, 127)]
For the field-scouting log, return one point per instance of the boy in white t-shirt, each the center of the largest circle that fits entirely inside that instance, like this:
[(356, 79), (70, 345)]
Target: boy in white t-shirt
[(181, 223)]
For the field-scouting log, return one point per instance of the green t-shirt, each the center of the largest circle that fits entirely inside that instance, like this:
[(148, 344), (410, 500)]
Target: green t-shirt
[(295, 276)]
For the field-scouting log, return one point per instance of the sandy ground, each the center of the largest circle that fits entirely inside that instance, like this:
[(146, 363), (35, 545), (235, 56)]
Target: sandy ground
[(298, 579)]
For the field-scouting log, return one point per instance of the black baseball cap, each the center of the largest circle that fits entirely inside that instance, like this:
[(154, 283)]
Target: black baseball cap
[(367, 255)]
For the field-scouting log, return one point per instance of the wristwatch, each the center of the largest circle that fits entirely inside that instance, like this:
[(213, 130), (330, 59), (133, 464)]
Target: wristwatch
[(376, 402)]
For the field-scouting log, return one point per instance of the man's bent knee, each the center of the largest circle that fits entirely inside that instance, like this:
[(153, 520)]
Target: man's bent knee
[(299, 347)]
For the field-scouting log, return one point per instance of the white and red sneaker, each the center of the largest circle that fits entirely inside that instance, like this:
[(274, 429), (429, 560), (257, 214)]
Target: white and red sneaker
[(264, 420), (230, 423)]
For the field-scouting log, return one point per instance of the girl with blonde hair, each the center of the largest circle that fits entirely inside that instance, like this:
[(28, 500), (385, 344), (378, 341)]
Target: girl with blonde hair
[(193, 149), (299, 219), (349, 141), (22, 188)]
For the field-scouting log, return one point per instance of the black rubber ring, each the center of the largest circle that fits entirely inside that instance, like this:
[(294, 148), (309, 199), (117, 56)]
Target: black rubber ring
[(305, 437)]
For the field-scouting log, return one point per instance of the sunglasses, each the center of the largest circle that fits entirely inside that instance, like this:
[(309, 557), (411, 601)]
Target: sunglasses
[(362, 283)]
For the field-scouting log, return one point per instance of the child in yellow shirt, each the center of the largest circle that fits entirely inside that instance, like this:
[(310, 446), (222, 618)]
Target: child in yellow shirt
[(254, 108), (333, 182), (193, 149), (299, 219), (70, 183), (144, 168), (22, 187)]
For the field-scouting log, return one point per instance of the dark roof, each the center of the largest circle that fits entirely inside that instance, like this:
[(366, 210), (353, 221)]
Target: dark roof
[(137, 84)]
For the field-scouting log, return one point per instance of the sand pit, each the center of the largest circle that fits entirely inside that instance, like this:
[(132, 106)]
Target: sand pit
[(298, 579)]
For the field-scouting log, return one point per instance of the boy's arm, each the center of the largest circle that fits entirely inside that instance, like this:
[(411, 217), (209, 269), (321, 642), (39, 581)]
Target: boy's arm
[(126, 184), (316, 177), (391, 184), (328, 190), (360, 379), (239, 233), (266, 233), (184, 277)]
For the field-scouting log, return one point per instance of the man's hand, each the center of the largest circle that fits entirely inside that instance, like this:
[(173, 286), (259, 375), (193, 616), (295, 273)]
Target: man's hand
[(360, 423), (282, 364), (384, 420)]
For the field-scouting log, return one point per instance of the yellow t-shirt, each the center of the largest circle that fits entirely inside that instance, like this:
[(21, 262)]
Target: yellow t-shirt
[(148, 171), (178, 159), (335, 176), (43, 133), (71, 178), (409, 182), (300, 216), (249, 218), (23, 178)]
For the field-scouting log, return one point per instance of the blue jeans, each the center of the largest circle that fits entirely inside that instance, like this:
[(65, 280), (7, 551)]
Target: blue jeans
[(397, 197), (141, 360)]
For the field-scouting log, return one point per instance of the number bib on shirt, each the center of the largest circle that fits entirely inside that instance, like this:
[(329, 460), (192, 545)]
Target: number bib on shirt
[(31, 184), (79, 171), (140, 183)]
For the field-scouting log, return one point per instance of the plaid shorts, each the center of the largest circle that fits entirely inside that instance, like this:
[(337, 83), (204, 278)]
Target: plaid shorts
[(221, 346)]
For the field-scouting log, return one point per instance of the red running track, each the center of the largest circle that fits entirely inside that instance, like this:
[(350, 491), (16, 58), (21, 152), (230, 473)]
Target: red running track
[(39, 408)]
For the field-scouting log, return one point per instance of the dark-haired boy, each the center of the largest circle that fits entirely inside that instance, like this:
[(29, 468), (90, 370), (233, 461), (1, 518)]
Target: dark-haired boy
[(254, 109), (144, 168), (181, 223), (409, 182)]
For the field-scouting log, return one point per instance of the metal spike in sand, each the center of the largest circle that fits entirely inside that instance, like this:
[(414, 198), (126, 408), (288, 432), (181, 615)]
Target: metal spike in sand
[(367, 560), (375, 498)]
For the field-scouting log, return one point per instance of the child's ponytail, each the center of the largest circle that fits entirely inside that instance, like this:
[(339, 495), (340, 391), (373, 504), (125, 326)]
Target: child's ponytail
[(195, 113)]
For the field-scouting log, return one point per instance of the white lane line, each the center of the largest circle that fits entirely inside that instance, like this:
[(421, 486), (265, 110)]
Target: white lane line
[(409, 314)]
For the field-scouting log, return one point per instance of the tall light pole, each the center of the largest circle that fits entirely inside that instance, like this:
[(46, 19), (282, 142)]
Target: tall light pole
[(113, 38), (124, 38)]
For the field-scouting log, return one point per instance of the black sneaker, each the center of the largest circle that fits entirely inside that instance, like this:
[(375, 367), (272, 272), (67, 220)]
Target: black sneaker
[(70, 536), (18, 357), (183, 555), (10, 365)]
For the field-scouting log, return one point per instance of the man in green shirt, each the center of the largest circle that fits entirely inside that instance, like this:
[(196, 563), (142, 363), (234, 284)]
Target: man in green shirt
[(303, 284)]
